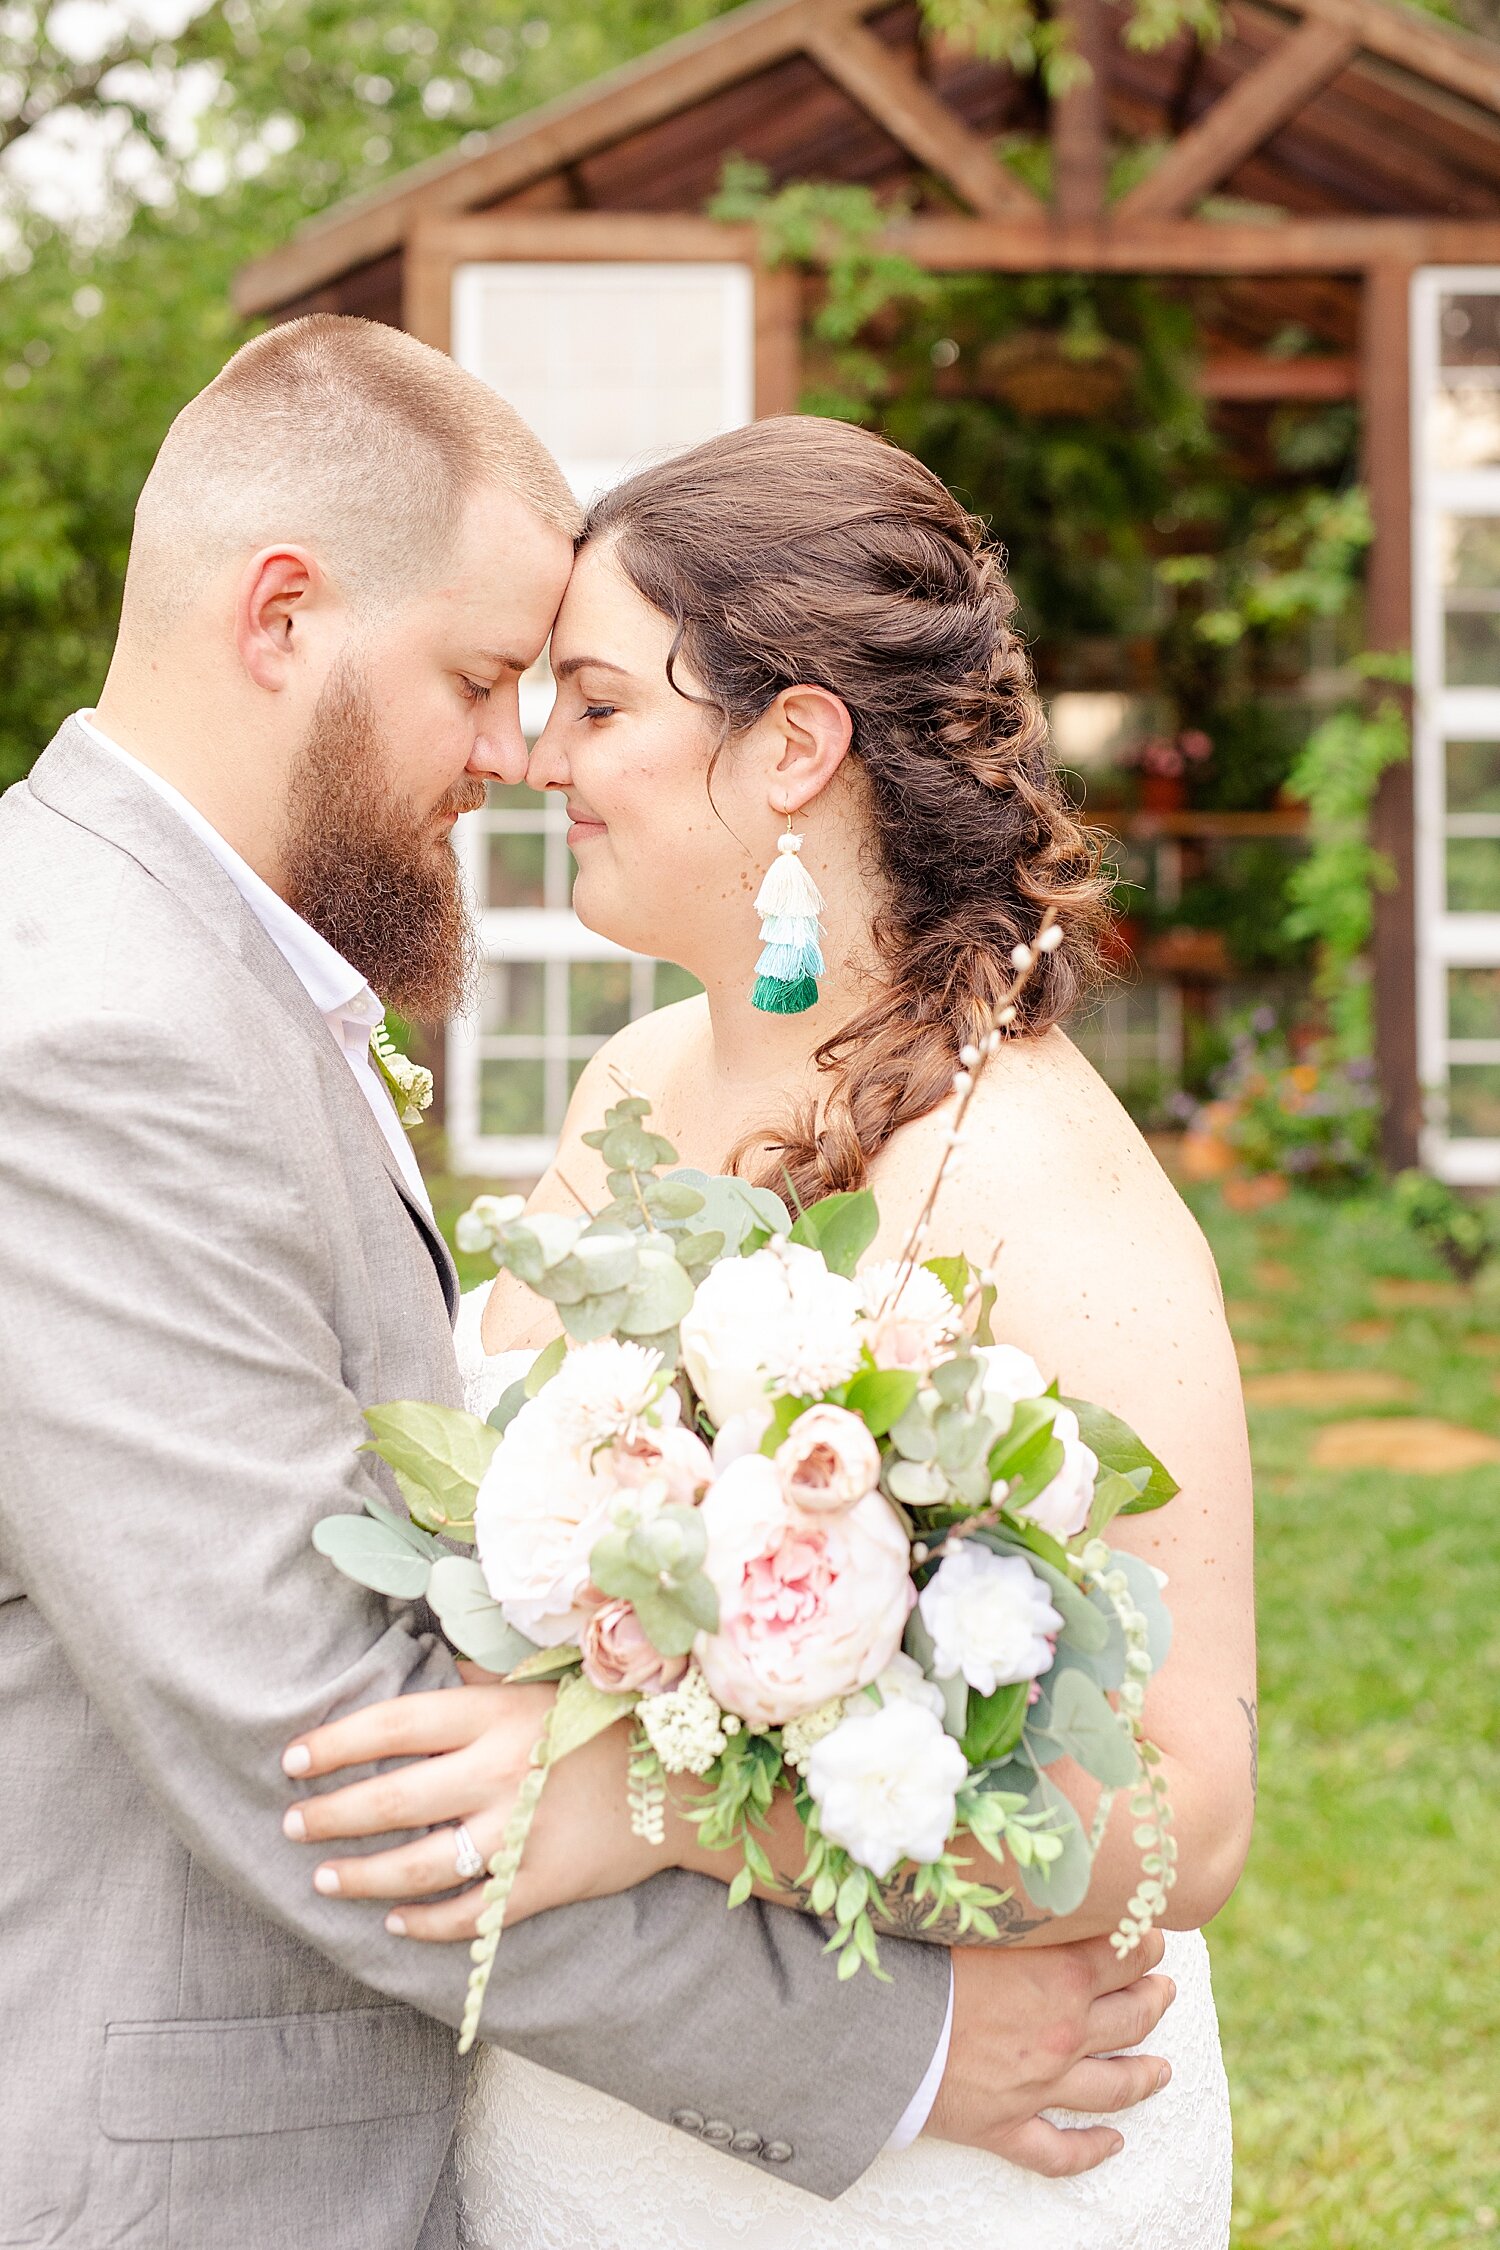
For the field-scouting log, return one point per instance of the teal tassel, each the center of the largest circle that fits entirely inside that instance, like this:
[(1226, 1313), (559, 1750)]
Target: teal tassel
[(774, 997), (789, 964), (788, 929)]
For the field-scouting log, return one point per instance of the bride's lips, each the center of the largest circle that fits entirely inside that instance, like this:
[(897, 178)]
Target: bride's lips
[(582, 825)]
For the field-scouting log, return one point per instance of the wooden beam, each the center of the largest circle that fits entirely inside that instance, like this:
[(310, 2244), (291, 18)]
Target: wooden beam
[(1385, 351), (607, 110), (1322, 246), (778, 340), (873, 75), (1242, 377), (1080, 151), (1240, 121), (567, 235), (1455, 59)]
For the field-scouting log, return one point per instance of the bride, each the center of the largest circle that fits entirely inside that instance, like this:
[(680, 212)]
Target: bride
[(795, 627)]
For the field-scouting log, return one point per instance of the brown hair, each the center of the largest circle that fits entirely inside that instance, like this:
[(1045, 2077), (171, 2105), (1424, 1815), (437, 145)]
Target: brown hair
[(801, 550), (341, 432)]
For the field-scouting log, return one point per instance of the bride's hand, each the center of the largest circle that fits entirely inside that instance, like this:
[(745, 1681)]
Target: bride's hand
[(472, 1747)]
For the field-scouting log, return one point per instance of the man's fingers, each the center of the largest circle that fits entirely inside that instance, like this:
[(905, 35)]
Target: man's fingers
[(1112, 1971), (1099, 2086), (1038, 2146), (408, 1726), (1127, 2019)]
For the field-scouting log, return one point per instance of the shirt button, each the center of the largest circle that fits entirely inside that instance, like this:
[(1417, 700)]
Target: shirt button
[(717, 2133), (746, 2144), (688, 2120), (777, 2152)]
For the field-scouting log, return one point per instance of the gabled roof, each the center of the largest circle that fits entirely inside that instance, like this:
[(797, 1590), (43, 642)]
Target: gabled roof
[(1351, 108)]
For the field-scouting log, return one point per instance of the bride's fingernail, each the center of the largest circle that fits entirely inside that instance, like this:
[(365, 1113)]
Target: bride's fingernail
[(295, 1826), (395, 1925), (1163, 2075), (297, 1759), (327, 1881)]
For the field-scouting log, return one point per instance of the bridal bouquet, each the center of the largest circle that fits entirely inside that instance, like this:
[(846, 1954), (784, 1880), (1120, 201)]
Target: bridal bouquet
[(807, 1527)]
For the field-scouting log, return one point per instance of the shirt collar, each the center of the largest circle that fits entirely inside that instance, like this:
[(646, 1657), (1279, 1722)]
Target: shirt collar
[(335, 987)]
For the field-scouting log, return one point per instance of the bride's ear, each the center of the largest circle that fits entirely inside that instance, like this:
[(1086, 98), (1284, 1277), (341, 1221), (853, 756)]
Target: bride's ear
[(815, 732)]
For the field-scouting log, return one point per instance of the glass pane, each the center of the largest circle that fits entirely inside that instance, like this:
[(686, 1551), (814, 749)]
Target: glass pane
[(1471, 559), (513, 796), (598, 998), (517, 871), (1473, 777), (672, 983), (1474, 1003), (1463, 426), (512, 1096), (1469, 329), (1474, 1102), (1474, 875), (513, 997), (1471, 646)]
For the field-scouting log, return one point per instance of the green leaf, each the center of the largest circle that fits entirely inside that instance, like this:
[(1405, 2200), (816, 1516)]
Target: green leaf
[(582, 1711), (1113, 1494), (674, 1198), (565, 1283), (472, 1618), (593, 1317), (953, 1273), (546, 1365), (916, 1484), (955, 1378), (699, 1598), (1118, 1447), (665, 1623), (626, 1148), (783, 1414), (734, 1208), (995, 1723), (880, 1397), (507, 1407), (741, 1887), (420, 1542), (373, 1555), (1023, 1442), (1062, 1886), (914, 1433), (1088, 1730), (1036, 1476), (547, 1664), (659, 1299), (614, 1570), (841, 1228), (438, 1456), (610, 1261), (853, 1892)]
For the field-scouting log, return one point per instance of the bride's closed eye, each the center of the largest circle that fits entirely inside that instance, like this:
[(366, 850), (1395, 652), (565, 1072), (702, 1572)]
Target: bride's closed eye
[(599, 710)]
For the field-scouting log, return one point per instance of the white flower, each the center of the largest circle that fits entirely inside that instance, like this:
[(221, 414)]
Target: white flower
[(480, 1226), (1009, 1376), (913, 1326), (685, 1726), (799, 1735), (990, 1617), (606, 1389), (884, 1782), (1062, 1507), (904, 1680), (777, 1321), (741, 1434)]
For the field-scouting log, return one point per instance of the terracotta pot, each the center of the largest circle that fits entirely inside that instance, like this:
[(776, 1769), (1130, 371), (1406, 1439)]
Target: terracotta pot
[(1163, 792), (1201, 956)]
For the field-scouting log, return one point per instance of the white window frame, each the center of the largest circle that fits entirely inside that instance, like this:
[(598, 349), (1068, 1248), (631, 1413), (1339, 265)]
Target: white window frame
[(1443, 714)]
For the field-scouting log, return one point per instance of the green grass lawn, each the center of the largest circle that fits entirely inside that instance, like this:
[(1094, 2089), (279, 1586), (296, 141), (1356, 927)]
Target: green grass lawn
[(1358, 1966)]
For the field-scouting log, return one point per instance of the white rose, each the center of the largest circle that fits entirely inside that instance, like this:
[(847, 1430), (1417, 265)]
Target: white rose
[(538, 1513), (990, 1617), (777, 1321), (904, 1680), (827, 1461), (1009, 1376), (1062, 1507), (913, 1326), (884, 1782)]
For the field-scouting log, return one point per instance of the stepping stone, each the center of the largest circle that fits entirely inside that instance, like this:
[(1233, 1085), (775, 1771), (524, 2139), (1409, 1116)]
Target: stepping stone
[(1273, 1274), (1254, 1194), (1400, 1295), (1410, 1445), (1481, 1345), (1374, 1332), (1322, 1387), (1250, 1354)]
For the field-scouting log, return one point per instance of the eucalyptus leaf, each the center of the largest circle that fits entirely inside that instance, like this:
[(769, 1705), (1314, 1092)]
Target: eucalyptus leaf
[(627, 1147), (699, 1251), (963, 1440), (593, 1317), (697, 1595), (1090, 1731), (914, 1433), (660, 1298), (610, 1261), (582, 1711), (547, 1664), (840, 1228), (420, 1542), (565, 1283), (507, 1407), (438, 1455), (666, 1623), (1147, 1596), (1114, 1494), (472, 1618), (546, 1365), (1118, 1447), (954, 1379), (1061, 1886), (916, 1484), (674, 1198), (374, 1555)]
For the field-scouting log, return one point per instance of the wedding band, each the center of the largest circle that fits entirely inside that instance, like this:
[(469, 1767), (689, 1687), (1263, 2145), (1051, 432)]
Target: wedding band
[(468, 1859)]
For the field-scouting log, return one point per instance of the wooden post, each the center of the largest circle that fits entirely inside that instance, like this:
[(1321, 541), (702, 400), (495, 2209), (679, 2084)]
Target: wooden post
[(778, 340), (1385, 350), (1080, 140)]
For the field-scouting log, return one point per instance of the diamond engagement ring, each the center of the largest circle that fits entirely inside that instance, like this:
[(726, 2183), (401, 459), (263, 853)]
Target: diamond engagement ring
[(468, 1859)]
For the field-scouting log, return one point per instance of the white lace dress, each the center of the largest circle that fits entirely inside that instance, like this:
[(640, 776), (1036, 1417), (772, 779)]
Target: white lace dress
[(544, 2164)]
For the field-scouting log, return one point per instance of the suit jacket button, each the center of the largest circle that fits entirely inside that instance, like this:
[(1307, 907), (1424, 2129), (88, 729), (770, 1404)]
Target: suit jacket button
[(717, 2133), (746, 2144), (688, 2120), (777, 2152)]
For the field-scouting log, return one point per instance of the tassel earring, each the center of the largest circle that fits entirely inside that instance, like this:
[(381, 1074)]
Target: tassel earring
[(791, 961)]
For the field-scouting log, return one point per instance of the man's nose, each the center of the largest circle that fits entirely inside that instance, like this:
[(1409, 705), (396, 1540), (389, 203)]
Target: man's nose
[(501, 752)]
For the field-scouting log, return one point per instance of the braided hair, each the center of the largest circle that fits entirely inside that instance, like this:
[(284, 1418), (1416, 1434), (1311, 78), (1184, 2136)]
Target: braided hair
[(805, 551)]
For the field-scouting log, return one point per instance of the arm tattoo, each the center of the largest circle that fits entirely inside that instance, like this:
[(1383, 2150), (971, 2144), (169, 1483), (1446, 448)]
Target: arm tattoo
[(1252, 1717), (897, 1913)]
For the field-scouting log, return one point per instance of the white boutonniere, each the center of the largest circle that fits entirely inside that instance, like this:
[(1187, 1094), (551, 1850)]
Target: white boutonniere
[(408, 1083)]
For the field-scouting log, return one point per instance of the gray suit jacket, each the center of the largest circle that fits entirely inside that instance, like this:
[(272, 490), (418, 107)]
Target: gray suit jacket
[(208, 1266)]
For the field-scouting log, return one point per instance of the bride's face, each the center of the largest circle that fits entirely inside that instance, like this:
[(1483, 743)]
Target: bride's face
[(660, 870)]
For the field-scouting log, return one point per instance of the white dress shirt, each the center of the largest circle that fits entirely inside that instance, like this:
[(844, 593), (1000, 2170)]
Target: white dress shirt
[(351, 1011), (339, 993)]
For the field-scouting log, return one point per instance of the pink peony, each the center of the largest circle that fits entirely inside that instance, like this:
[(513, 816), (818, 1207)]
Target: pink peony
[(827, 1461), (810, 1607), (619, 1660)]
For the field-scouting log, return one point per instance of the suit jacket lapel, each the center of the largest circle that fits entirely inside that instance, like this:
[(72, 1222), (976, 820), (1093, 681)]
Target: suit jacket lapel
[(85, 784)]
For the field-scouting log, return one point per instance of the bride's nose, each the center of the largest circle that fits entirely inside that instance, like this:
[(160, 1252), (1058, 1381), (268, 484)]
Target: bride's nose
[(549, 765)]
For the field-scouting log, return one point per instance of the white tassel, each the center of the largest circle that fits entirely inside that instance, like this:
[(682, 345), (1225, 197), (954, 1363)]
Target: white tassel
[(788, 888)]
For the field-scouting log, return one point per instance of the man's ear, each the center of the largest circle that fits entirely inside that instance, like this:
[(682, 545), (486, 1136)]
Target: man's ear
[(816, 732), (269, 609)]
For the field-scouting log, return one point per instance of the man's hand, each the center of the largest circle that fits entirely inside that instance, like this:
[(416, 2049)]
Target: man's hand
[(1037, 2028)]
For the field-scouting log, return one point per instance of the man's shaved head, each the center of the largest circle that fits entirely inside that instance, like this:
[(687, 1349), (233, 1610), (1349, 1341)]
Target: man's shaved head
[(343, 436)]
